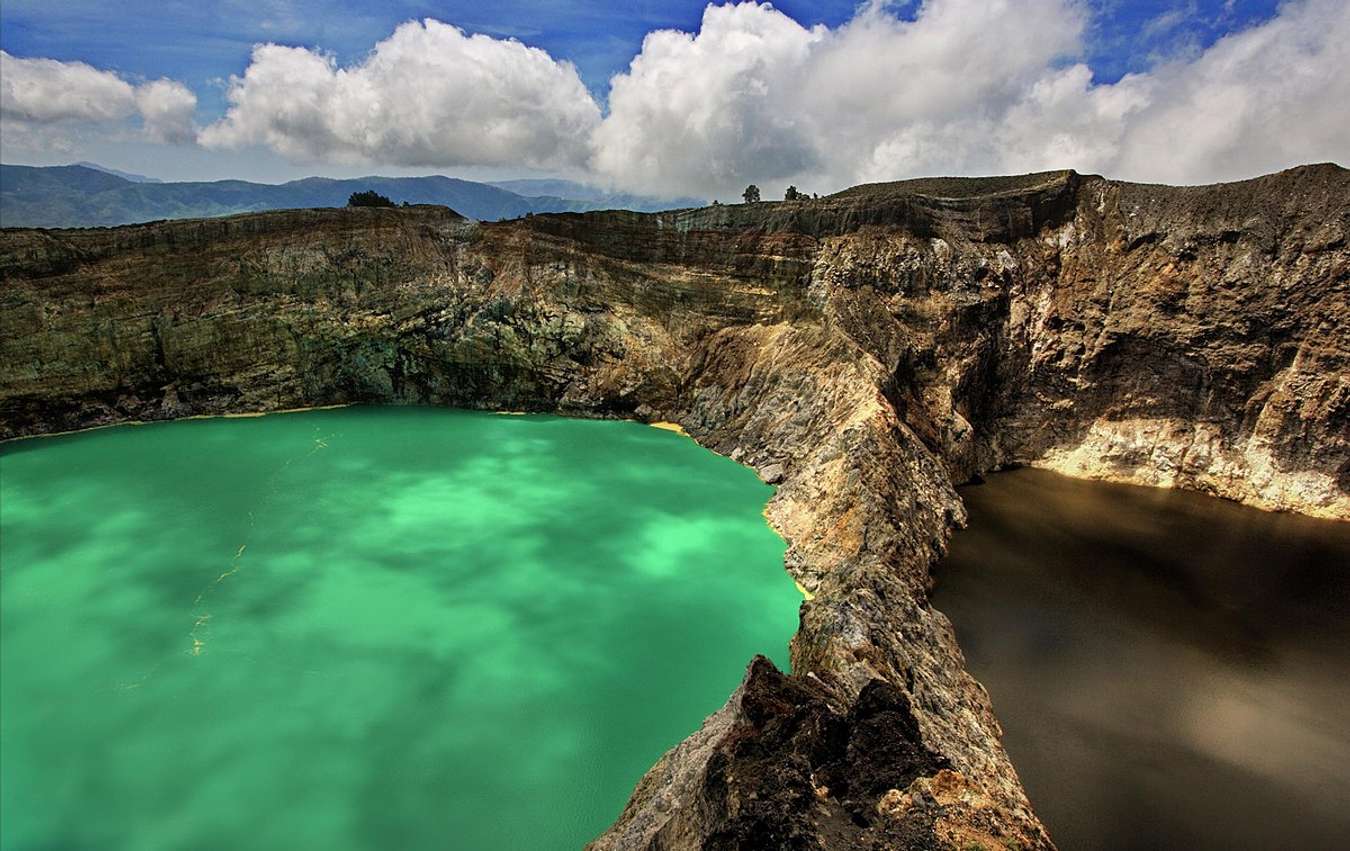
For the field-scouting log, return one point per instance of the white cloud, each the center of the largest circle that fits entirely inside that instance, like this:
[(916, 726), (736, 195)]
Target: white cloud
[(44, 91), (47, 103), (1169, 20), (700, 112), (1259, 100), (966, 87), (429, 95), (755, 96), (954, 87), (166, 107)]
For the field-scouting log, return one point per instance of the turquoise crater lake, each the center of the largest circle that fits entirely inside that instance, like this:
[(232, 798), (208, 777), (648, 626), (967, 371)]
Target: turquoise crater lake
[(365, 628)]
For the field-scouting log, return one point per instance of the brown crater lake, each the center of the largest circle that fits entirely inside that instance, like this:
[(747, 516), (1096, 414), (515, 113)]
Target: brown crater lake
[(1171, 670)]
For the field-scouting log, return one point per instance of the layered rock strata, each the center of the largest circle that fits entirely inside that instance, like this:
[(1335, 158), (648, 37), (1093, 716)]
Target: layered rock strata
[(865, 351)]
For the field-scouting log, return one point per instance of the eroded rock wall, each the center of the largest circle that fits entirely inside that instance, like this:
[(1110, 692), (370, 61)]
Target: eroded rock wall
[(867, 351)]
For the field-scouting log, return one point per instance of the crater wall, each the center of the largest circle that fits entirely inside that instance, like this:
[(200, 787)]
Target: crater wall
[(865, 351)]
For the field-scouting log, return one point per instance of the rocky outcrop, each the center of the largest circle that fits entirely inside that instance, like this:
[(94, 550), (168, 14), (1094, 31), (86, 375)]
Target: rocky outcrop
[(868, 351), (784, 765)]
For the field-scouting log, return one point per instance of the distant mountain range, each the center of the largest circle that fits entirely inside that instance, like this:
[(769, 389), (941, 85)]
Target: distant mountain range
[(88, 195), (553, 188), (134, 178)]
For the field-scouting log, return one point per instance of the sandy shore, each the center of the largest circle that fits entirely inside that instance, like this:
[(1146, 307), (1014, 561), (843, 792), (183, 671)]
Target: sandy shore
[(675, 427)]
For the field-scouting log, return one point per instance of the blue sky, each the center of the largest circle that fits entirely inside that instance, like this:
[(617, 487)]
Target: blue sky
[(202, 44)]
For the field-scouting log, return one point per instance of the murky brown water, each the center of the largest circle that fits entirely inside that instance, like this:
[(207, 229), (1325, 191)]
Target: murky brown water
[(1171, 670)]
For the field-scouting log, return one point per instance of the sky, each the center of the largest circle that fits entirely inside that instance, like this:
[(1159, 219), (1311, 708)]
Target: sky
[(675, 97)]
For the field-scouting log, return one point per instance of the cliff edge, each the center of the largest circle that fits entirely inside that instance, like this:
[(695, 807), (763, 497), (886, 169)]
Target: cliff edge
[(867, 351)]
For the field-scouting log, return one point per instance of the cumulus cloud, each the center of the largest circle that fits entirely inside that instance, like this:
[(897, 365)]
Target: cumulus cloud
[(755, 96), (948, 87), (429, 95), (166, 108), (966, 87), (700, 112), (44, 102), (1259, 100)]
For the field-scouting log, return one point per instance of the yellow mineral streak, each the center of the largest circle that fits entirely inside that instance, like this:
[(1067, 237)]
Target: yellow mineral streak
[(202, 619), (320, 442), (802, 588), (233, 569), (197, 642), (675, 427)]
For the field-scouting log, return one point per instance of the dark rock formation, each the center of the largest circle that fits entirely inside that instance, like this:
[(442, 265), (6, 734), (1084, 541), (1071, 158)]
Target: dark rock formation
[(794, 767), (867, 350)]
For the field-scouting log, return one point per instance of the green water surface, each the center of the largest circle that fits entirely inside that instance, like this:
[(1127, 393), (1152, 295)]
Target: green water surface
[(365, 628)]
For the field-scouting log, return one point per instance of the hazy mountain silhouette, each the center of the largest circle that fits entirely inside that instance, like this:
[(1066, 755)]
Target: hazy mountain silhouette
[(84, 196), (127, 175)]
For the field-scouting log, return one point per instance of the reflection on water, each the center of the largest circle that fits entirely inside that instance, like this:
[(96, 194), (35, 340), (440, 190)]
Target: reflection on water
[(366, 628), (1170, 669)]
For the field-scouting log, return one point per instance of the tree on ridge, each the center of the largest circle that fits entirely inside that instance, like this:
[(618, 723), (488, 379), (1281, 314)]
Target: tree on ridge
[(369, 198)]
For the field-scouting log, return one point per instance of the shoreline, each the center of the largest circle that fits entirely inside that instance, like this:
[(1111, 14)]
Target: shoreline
[(246, 415), (665, 425), (237, 415)]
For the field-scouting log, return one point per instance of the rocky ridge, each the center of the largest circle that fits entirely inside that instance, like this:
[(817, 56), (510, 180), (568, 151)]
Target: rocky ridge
[(865, 351)]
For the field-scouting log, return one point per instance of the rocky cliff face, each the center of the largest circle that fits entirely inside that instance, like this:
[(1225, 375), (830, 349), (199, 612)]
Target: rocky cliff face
[(867, 351)]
